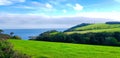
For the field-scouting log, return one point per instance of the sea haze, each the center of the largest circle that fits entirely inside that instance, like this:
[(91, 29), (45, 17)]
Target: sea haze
[(25, 33)]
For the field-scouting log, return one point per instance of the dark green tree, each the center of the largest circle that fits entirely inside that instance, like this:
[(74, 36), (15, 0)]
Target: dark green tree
[(111, 41), (16, 37), (11, 33), (1, 31)]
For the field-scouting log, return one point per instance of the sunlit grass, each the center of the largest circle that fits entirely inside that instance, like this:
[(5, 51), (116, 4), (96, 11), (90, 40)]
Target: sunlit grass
[(97, 27), (96, 31), (41, 49)]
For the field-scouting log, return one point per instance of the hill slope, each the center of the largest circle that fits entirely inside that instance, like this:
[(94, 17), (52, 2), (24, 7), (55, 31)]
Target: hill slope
[(96, 28), (40, 49)]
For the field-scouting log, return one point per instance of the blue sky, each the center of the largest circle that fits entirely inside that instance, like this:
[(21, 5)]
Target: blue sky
[(57, 13)]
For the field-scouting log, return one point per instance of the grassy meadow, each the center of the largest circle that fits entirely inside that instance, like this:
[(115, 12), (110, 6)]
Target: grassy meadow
[(96, 28), (96, 31), (41, 49)]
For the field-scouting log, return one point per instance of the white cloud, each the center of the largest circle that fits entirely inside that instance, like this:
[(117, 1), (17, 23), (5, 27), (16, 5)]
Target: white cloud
[(37, 7), (78, 7), (108, 15), (5, 2), (9, 2), (44, 21), (48, 5)]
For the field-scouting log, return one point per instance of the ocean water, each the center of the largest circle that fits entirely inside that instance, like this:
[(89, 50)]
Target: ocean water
[(25, 33)]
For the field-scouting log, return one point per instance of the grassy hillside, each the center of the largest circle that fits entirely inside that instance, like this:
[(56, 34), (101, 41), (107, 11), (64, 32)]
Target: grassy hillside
[(96, 31), (97, 28), (41, 49)]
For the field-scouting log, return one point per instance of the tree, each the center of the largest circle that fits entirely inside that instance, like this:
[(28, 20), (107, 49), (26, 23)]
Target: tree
[(111, 41), (1, 31), (16, 37), (78, 38), (117, 36), (11, 33), (59, 37)]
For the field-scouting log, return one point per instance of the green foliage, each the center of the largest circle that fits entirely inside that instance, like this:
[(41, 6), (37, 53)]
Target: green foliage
[(16, 37), (86, 38), (117, 36), (60, 37), (41, 49), (4, 36), (6, 51), (11, 33), (111, 41), (54, 36), (1, 31), (78, 38), (96, 34)]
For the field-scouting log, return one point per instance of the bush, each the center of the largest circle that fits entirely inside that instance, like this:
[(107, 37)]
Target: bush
[(6, 51), (16, 37), (4, 36), (111, 41)]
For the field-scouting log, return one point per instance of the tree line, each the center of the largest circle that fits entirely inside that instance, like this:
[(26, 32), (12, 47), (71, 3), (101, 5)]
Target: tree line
[(102, 38)]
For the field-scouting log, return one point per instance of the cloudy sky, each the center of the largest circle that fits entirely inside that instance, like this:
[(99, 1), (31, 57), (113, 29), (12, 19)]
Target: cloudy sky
[(15, 14)]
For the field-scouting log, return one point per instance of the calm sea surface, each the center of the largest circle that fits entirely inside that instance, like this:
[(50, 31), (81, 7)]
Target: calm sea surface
[(25, 33)]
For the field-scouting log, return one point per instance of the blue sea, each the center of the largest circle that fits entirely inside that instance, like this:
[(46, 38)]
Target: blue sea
[(25, 33)]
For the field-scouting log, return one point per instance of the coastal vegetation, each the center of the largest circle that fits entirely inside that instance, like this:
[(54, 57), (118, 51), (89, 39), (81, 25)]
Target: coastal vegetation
[(97, 34), (86, 40), (43, 49), (6, 48)]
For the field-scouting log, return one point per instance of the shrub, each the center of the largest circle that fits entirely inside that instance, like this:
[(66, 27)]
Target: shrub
[(16, 37), (4, 36), (111, 41), (6, 51), (1, 31)]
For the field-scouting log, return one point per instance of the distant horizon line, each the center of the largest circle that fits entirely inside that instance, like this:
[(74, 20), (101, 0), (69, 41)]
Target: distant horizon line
[(32, 28)]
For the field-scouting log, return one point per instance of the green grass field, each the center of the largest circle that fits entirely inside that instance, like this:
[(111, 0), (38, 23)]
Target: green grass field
[(96, 31), (41, 49), (96, 28)]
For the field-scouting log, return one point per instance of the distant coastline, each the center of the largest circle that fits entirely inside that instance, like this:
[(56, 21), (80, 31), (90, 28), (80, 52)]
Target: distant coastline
[(25, 33)]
